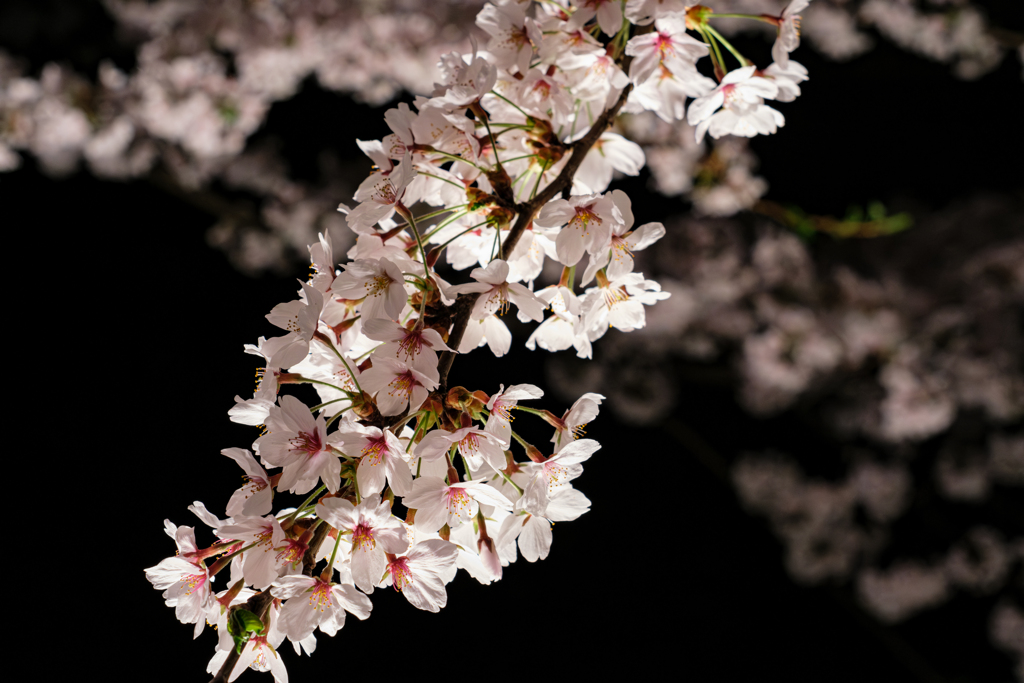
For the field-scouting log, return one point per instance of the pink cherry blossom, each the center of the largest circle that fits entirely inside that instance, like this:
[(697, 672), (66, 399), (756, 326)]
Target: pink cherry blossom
[(398, 386), (255, 497), (501, 404), (299, 443), (380, 284), (588, 219), (311, 602), (381, 457), (438, 503), (789, 32), (496, 293), (418, 575), (375, 531)]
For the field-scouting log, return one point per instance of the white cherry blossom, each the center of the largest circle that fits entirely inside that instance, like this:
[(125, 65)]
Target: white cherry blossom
[(379, 282), (311, 602), (418, 574), (397, 385), (788, 38), (375, 532), (736, 107)]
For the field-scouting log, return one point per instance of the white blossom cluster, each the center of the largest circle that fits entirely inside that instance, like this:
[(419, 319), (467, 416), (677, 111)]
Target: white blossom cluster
[(504, 166), (207, 75)]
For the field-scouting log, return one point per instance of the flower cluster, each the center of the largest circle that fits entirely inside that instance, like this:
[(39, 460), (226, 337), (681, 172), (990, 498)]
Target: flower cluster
[(505, 167)]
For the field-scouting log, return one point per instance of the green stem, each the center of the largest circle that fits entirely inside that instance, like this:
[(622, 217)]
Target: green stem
[(327, 403), (454, 157), (313, 496), (716, 54), (447, 180), (502, 97), (735, 53), (336, 416), (540, 175), (511, 483), (323, 338), (467, 230), (444, 224)]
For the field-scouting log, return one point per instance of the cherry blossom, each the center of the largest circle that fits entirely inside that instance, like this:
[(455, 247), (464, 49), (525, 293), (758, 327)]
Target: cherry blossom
[(496, 292), (379, 281), (501, 404), (311, 602), (398, 386), (381, 457), (588, 220), (300, 444), (789, 32), (736, 107), (418, 574), (375, 532), (301, 319), (438, 503), (416, 347), (255, 497)]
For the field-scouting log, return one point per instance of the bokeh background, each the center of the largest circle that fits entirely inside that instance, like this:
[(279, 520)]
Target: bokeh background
[(813, 455)]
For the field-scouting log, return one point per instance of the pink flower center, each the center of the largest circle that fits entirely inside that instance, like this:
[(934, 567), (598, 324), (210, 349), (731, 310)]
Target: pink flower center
[(503, 410), (402, 384), (307, 442), (555, 473), (613, 295), (620, 248), (291, 552), (498, 299), (320, 597), (375, 449), (458, 502), (411, 343), (378, 285), (193, 582), (469, 445), (384, 193), (582, 219), (362, 536), (400, 574)]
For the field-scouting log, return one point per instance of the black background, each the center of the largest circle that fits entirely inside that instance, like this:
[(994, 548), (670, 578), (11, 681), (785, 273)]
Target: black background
[(143, 327)]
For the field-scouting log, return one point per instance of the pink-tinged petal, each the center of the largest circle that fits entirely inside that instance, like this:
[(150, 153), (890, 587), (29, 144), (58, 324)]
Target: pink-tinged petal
[(567, 505), (426, 593), (526, 301), (495, 273), (392, 539), (370, 475), (368, 564), (569, 246), (703, 107), (434, 444), (485, 494), (398, 474), (434, 555), (535, 539), (354, 602), (338, 512), (380, 329), (554, 214), (289, 586), (292, 350)]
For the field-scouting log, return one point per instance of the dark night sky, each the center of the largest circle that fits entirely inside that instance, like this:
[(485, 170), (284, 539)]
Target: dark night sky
[(668, 577)]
